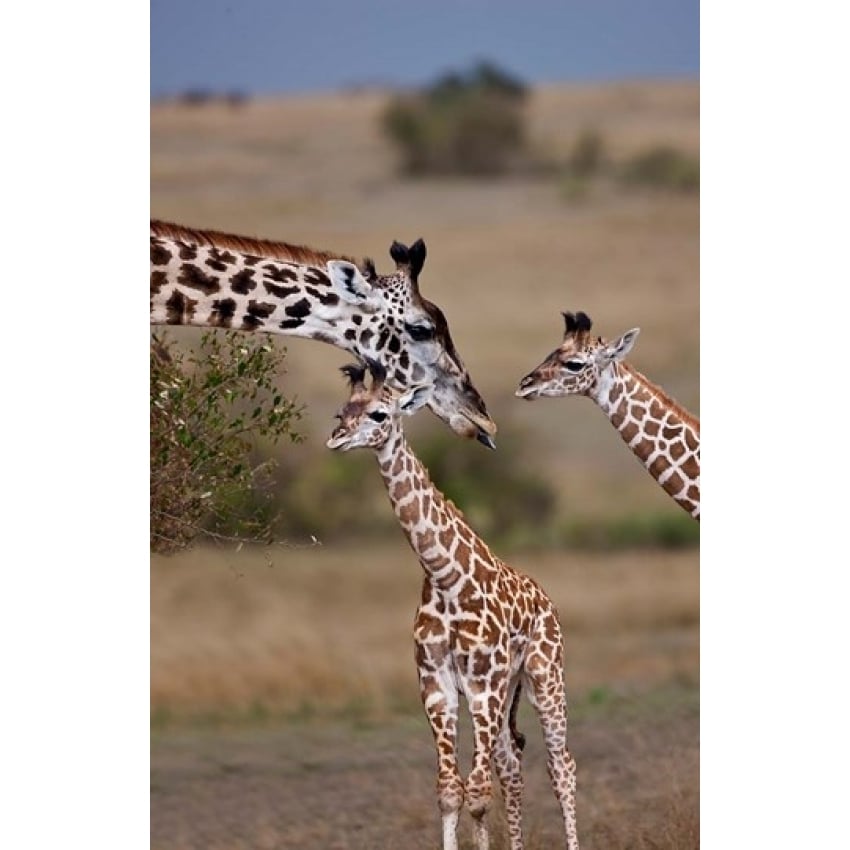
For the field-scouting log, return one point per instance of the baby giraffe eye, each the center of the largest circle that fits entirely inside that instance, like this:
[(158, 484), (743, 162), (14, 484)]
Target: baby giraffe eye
[(574, 365), (378, 416)]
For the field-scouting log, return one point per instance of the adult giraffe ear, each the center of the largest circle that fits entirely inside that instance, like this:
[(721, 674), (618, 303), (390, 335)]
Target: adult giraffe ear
[(349, 284), (409, 260), (417, 254), (411, 400), (617, 349)]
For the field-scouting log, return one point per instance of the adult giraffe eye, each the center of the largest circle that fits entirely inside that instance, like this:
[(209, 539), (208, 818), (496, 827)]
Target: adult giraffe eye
[(378, 416), (419, 333), (574, 365)]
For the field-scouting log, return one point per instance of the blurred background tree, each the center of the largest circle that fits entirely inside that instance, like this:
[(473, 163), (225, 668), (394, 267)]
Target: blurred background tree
[(463, 123)]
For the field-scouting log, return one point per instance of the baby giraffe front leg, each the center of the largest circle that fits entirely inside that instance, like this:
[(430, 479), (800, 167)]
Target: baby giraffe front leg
[(440, 699)]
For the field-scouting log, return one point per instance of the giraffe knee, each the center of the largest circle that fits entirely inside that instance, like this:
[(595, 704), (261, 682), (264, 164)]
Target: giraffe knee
[(479, 795), (450, 794)]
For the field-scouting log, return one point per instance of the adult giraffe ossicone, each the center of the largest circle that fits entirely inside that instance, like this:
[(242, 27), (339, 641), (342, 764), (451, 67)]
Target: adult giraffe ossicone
[(482, 629), (660, 432), (212, 279)]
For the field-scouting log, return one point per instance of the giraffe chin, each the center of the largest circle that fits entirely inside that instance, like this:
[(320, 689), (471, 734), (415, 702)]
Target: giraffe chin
[(338, 444), (464, 426), (528, 393)]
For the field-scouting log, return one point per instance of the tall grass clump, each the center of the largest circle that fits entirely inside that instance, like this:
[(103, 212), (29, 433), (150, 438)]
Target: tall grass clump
[(208, 408), (470, 123), (662, 167)]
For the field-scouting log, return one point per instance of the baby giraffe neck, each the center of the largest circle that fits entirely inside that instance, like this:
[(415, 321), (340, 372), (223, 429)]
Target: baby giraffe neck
[(435, 529)]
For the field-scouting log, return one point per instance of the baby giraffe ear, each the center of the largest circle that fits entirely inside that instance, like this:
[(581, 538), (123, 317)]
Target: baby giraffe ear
[(414, 398), (617, 349), (348, 282)]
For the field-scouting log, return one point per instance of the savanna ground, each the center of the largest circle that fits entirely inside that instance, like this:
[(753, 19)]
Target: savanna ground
[(283, 688)]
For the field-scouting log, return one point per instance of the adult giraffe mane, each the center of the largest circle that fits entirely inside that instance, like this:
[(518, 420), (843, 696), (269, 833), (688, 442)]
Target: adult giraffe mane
[(665, 399), (258, 247)]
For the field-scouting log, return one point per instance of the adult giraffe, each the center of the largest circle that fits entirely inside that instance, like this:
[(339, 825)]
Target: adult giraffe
[(660, 432), (212, 279)]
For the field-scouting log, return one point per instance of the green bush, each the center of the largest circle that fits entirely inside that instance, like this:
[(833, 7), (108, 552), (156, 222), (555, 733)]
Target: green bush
[(208, 407), (672, 529), (462, 124), (662, 167)]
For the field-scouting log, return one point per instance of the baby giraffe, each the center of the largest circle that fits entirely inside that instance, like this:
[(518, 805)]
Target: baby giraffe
[(482, 629)]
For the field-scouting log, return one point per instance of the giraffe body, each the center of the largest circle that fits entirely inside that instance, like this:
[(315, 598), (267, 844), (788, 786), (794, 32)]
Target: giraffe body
[(482, 630), (658, 430), (211, 279)]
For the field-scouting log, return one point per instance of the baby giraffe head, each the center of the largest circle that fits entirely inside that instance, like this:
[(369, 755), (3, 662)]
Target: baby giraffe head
[(578, 366), (373, 414)]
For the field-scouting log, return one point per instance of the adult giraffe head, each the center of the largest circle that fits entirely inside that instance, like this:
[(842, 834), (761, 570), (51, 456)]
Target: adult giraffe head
[(579, 365), (213, 279)]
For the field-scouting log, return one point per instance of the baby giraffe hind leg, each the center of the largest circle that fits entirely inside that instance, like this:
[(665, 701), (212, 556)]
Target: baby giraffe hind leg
[(488, 708), (544, 677), (507, 759)]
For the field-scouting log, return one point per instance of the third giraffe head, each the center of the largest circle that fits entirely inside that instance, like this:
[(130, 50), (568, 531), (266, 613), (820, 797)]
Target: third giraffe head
[(579, 365)]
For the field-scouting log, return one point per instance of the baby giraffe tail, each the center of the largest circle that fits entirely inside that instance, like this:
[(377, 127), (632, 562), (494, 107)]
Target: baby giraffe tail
[(519, 738)]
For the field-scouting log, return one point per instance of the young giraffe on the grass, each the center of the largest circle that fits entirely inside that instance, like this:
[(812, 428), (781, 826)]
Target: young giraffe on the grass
[(211, 279), (661, 433), (482, 629)]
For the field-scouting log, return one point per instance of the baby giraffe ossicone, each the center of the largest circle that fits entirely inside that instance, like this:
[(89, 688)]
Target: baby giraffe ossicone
[(482, 630)]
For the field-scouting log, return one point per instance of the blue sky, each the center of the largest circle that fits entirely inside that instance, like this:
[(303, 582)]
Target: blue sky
[(266, 46)]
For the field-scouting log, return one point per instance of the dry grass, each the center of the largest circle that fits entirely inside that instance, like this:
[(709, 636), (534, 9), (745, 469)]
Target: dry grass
[(323, 630), (355, 788), (303, 660)]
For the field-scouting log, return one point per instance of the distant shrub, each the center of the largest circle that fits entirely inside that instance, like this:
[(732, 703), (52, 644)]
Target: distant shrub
[(587, 157), (236, 98), (662, 167), (462, 124), (574, 189), (207, 409), (206, 97), (196, 97)]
